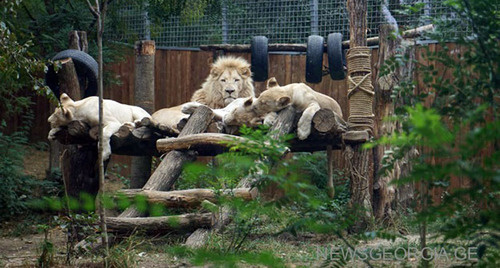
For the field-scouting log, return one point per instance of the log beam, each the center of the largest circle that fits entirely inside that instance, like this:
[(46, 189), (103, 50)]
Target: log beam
[(372, 41), (198, 142), (186, 198), (180, 223), (326, 121)]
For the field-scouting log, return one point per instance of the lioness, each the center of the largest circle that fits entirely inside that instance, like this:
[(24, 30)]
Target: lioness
[(237, 113), (230, 78), (301, 96), (115, 114)]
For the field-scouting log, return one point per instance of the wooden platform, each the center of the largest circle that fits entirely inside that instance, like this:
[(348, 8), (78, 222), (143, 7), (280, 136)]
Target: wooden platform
[(152, 139)]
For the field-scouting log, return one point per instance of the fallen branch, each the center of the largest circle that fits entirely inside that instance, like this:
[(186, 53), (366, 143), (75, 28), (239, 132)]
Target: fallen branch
[(184, 223), (186, 198)]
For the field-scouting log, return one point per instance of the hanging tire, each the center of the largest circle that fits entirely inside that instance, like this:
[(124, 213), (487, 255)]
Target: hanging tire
[(86, 70), (314, 59), (260, 59), (335, 56)]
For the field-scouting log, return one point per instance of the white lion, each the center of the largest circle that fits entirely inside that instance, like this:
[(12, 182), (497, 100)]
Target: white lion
[(230, 78), (115, 115), (237, 113), (301, 96)]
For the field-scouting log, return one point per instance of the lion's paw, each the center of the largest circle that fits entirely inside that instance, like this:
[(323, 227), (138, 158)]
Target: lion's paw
[(303, 132), (52, 134), (270, 119), (106, 152), (190, 107), (129, 124)]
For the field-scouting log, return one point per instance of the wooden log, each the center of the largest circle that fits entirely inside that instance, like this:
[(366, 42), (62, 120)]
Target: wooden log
[(180, 223), (197, 238), (186, 198), (76, 132), (282, 126), (359, 162), (356, 136), (170, 167), (68, 83), (284, 122), (386, 195), (78, 170), (155, 126), (144, 74), (198, 141), (127, 141), (78, 40), (136, 142), (329, 166), (326, 121)]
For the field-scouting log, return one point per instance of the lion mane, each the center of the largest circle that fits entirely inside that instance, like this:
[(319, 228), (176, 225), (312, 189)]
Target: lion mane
[(213, 92)]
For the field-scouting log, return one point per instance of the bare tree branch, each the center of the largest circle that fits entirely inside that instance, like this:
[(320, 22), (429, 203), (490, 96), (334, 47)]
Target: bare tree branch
[(92, 9)]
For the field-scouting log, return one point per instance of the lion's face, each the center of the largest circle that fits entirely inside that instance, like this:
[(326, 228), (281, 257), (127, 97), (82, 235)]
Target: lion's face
[(230, 85), (241, 112), (271, 100), (60, 117)]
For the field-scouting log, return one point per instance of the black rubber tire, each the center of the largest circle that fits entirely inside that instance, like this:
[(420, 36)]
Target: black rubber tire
[(314, 59), (86, 70), (260, 58), (335, 57)]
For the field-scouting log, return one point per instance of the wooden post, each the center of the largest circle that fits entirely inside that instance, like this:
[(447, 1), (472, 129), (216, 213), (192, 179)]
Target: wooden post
[(282, 126), (359, 79), (383, 192), (144, 73), (170, 167), (78, 163)]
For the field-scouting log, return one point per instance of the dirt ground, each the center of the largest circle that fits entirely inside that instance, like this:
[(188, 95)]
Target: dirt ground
[(301, 251)]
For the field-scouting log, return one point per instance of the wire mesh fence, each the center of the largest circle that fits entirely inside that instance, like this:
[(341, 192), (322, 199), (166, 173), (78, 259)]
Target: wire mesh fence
[(290, 21)]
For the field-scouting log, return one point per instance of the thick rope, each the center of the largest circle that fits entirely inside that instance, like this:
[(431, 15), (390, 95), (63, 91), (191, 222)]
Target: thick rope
[(360, 92)]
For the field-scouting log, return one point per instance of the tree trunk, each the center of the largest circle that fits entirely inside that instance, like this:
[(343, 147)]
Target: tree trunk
[(170, 167), (385, 194), (140, 167), (282, 126), (359, 161)]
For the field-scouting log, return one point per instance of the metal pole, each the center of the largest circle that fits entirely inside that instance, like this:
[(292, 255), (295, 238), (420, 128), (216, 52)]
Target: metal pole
[(225, 29), (314, 17)]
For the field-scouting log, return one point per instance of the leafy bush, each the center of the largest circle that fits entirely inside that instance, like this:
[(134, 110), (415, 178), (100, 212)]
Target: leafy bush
[(16, 187), (459, 132), (300, 203)]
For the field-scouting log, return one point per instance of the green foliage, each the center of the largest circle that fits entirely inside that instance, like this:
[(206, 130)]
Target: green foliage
[(189, 11), (124, 254), (18, 71), (302, 205), (47, 249), (17, 188), (458, 134)]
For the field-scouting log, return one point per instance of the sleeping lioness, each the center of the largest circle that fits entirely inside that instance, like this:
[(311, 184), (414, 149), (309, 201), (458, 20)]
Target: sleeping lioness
[(115, 114), (301, 96)]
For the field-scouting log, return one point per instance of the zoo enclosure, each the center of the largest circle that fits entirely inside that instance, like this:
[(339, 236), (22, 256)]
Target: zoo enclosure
[(282, 21)]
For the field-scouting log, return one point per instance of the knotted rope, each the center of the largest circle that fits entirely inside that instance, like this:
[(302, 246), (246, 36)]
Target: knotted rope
[(360, 92)]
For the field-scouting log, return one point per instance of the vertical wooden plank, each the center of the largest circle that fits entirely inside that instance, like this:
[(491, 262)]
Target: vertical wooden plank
[(288, 69)]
